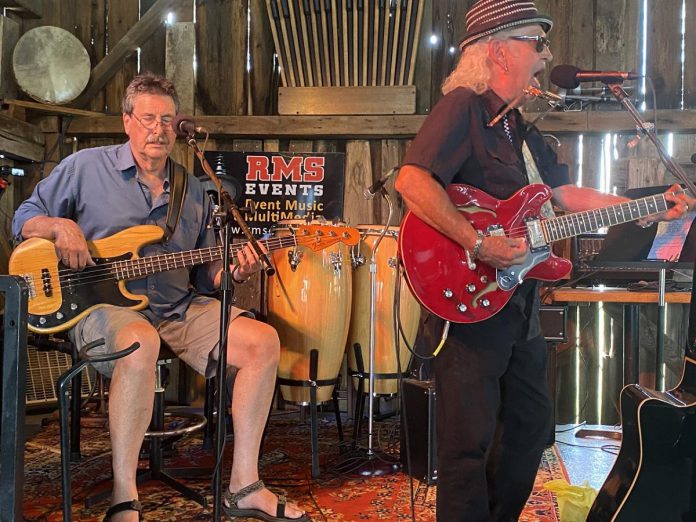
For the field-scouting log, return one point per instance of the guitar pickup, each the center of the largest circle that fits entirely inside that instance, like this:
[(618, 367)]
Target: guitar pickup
[(46, 282), (535, 235)]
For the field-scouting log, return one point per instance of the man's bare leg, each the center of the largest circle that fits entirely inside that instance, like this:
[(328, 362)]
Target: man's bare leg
[(254, 348), (131, 397)]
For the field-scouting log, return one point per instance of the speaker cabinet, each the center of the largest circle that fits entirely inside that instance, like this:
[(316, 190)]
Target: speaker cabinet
[(419, 421)]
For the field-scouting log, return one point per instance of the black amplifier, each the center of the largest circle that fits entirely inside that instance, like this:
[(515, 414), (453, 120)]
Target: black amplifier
[(419, 401)]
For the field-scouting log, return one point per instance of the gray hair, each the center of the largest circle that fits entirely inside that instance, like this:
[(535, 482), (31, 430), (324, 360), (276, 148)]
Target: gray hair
[(148, 83)]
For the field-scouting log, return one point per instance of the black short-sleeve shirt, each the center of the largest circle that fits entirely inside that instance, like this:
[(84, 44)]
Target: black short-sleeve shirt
[(456, 145)]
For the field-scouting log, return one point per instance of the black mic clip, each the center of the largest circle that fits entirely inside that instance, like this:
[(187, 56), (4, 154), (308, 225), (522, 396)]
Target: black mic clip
[(378, 185)]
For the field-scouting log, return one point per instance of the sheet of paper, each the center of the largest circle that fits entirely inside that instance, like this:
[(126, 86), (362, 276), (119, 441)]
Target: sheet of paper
[(670, 238)]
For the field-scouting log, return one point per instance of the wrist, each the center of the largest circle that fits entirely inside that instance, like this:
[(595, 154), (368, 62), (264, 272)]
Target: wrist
[(234, 278), (476, 248)]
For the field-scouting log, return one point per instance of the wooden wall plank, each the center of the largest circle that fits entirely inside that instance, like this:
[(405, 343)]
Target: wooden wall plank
[(448, 25), (121, 17), (573, 34), (424, 63), (664, 52), (358, 169), (264, 76), (9, 34), (222, 50), (690, 57), (90, 28), (181, 42), (616, 35)]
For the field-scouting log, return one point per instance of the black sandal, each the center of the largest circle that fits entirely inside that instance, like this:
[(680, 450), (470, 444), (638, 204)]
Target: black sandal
[(232, 510), (128, 505)]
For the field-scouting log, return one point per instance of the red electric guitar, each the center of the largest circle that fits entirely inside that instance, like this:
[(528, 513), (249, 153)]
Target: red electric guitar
[(457, 289)]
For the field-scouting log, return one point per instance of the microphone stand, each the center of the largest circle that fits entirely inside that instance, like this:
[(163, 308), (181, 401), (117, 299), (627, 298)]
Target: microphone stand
[(649, 130), (369, 468), (228, 208)]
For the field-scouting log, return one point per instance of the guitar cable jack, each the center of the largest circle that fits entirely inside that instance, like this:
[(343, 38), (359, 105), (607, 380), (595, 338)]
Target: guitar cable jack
[(443, 338)]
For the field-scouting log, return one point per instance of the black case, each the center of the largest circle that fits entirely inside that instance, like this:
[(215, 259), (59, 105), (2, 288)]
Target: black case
[(419, 398)]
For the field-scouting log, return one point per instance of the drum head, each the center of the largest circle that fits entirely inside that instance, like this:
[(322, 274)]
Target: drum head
[(51, 65)]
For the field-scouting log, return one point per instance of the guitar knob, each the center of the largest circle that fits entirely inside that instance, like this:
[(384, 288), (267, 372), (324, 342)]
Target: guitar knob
[(42, 320), (484, 279), (485, 303), (448, 293), (471, 288), (462, 307)]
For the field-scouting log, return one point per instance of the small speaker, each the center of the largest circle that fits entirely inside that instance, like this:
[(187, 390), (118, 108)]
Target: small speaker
[(419, 421)]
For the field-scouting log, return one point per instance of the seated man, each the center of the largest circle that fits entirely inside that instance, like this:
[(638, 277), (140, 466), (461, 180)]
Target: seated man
[(97, 192)]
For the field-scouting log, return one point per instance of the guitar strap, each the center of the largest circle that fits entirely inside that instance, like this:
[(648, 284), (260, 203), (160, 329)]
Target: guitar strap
[(178, 179), (534, 177)]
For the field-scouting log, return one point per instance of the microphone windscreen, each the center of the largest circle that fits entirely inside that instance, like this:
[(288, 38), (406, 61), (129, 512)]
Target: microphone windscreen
[(565, 76), (183, 125)]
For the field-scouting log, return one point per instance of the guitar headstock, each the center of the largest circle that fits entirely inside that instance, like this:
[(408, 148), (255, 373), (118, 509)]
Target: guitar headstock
[(319, 237)]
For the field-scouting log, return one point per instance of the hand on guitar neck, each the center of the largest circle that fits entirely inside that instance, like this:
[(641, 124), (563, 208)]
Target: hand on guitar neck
[(682, 203)]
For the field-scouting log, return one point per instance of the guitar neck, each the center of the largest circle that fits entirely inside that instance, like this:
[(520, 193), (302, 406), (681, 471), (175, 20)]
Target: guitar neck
[(571, 225), (144, 266)]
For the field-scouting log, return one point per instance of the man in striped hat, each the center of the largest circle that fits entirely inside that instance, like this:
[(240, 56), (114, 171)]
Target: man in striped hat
[(493, 403)]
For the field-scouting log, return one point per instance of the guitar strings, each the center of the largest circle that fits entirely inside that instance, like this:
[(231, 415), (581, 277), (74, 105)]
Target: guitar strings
[(107, 271)]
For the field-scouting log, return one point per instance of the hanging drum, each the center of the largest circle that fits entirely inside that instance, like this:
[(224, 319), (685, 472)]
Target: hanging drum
[(386, 372), (51, 65), (309, 304)]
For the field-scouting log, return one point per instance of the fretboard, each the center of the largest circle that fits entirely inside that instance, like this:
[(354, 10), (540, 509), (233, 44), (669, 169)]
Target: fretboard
[(144, 266), (572, 225)]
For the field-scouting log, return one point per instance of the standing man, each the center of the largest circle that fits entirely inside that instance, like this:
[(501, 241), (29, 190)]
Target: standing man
[(97, 192), (493, 407)]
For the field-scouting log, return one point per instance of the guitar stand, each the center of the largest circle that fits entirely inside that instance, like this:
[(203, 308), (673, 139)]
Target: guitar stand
[(313, 383)]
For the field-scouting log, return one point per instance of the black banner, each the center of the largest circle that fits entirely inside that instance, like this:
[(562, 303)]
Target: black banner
[(279, 186)]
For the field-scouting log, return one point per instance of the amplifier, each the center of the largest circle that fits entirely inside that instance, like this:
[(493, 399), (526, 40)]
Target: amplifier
[(419, 401)]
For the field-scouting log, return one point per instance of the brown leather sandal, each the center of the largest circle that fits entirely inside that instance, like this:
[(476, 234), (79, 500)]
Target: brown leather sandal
[(128, 505), (232, 510)]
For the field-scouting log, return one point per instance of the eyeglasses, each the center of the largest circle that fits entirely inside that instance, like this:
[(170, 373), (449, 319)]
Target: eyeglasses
[(541, 41), (150, 122)]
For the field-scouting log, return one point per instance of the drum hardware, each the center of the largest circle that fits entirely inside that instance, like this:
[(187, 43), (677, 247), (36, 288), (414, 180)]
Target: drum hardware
[(393, 262), (336, 261), (294, 258)]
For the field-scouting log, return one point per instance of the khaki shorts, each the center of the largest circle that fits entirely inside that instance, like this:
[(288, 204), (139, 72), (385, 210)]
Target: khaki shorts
[(194, 339)]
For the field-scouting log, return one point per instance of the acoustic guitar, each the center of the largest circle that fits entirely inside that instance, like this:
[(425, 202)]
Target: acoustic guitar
[(653, 476), (59, 297)]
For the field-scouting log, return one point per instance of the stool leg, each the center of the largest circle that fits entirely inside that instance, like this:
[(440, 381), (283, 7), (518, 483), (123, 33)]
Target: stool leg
[(313, 371), (339, 426), (76, 414)]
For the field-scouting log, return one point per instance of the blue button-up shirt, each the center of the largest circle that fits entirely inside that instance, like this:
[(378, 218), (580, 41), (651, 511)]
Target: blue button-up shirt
[(99, 189)]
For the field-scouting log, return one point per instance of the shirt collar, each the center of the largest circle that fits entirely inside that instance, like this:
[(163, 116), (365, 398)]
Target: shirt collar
[(493, 103), (125, 162)]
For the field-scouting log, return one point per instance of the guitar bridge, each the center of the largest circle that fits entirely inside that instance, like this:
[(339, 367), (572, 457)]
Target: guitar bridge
[(535, 235)]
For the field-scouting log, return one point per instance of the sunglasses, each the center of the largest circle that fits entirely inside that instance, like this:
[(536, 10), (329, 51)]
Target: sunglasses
[(541, 41)]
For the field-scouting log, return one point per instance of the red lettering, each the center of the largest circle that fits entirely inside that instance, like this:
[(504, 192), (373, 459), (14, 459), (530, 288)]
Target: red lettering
[(292, 170), (314, 169), (257, 168)]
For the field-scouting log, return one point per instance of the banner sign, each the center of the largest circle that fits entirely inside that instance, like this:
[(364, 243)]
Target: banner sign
[(279, 186)]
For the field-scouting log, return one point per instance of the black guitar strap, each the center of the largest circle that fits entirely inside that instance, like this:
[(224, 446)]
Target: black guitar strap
[(178, 180)]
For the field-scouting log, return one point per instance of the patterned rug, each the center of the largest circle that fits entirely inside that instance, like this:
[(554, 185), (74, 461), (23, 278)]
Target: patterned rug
[(285, 467)]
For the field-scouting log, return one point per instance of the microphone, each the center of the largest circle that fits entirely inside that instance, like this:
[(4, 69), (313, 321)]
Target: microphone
[(184, 126), (569, 76), (370, 191)]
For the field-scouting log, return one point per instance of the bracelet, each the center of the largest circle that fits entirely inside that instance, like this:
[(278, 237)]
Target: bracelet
[(477, 245), (648, 224), (236, 269)]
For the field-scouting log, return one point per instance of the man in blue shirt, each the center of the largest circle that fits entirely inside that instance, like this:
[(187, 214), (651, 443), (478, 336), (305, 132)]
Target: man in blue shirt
[(97, 192)]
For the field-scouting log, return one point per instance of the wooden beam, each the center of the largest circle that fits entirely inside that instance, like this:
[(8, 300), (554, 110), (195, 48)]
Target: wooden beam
[(21, 149), (24, 8), (13, 128), (51, 109), (334, 127), (134, 38)]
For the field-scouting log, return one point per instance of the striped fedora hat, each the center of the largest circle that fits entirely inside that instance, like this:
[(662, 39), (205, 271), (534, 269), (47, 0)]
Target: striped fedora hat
[(490, 16)]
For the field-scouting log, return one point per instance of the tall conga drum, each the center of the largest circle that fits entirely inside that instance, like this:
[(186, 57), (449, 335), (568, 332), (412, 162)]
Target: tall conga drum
[(386, 371), (309, 304)]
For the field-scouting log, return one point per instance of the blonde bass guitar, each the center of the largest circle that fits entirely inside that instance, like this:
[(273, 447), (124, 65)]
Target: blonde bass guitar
[(59, 297)]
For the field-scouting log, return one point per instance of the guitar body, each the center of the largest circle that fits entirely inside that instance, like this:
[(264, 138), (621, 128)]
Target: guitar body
[(653, 476), (60, 297), (436, 267)]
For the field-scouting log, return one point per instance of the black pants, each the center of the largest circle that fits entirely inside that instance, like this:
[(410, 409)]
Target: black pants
[(493, 416)]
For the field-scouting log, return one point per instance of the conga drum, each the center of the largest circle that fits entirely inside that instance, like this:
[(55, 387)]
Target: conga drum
[(409, 310), (309, 304)]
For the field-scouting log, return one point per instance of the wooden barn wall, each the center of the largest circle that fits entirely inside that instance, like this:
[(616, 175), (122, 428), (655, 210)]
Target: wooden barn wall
[(589, 34)]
